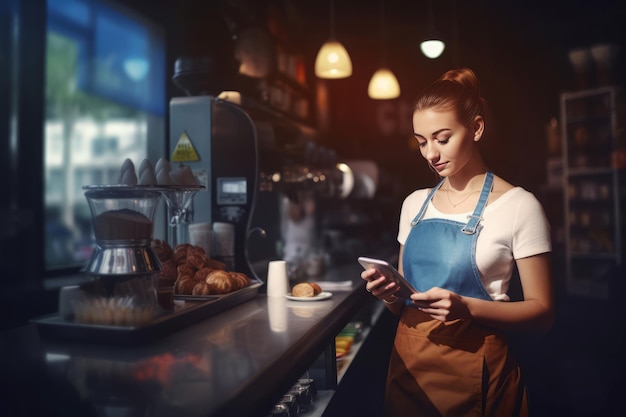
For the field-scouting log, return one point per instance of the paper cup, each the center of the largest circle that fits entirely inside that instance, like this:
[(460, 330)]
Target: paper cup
[(201, 234), (224, 239), (277, 279), (224, 243)]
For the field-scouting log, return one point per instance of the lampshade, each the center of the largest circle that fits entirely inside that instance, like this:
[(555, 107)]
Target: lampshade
[(432, 48), (333, 61), (383, 85)]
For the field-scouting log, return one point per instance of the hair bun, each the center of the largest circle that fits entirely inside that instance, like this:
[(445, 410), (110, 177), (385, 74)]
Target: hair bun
[(456, 90), (466, 78)]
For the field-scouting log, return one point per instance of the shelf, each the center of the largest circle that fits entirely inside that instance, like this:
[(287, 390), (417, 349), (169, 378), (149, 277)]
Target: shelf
[(354, 349), (264, 111), (592, 205)]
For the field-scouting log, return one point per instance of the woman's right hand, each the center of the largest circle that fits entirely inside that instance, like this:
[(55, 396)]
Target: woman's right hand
[(378, 285)]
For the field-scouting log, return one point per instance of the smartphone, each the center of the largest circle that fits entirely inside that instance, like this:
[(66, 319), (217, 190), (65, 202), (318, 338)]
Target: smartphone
[(391, 273)]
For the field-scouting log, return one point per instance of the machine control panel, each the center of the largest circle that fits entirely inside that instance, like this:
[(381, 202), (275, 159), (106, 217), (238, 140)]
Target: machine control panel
[(232, 191)]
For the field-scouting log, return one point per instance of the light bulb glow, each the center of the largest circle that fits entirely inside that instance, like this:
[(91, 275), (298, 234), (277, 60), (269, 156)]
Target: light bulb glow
[(383, 85), (333, 61), (432, 48)]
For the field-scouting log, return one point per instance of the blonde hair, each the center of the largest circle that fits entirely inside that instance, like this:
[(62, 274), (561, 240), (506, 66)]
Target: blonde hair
[(457, 90)]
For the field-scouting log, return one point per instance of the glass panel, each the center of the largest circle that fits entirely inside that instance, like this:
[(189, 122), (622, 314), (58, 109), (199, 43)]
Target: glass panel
[(90, 127)]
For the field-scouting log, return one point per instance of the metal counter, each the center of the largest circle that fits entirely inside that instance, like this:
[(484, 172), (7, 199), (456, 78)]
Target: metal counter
[(236, 363)]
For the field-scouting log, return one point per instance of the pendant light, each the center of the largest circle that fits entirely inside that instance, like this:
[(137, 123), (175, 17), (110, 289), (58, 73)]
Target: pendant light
[(383, 85), (433, 45), (332, 59)]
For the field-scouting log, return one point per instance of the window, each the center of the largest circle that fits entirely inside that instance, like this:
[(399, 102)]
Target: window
[(105, 97)]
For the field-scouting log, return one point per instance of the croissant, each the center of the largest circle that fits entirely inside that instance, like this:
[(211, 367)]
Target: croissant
[(219, 282), (306, 289)]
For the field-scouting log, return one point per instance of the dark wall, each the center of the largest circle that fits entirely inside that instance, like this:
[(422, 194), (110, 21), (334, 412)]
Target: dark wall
[(518, 49)]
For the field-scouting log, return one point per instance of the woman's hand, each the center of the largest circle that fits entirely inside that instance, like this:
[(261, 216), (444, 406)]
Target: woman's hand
[(379, 286), (442, 304)]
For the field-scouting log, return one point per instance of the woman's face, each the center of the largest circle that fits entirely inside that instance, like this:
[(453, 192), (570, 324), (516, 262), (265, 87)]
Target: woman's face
[(444, 142)]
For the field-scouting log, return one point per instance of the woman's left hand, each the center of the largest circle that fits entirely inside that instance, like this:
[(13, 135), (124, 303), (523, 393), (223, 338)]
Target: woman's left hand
[(441, 304)]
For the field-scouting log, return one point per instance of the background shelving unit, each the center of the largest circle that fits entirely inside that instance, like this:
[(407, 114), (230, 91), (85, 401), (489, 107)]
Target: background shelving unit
[(592, 183)]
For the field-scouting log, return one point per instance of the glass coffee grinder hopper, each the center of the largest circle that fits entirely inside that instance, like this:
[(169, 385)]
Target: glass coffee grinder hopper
[(124, 266)]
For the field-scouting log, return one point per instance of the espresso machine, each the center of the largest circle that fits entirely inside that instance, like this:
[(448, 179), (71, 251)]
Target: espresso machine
[(218, 141)]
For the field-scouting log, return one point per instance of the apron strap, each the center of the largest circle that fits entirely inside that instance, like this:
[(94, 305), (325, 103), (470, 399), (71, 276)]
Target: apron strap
[(475, 218), (419, 215)]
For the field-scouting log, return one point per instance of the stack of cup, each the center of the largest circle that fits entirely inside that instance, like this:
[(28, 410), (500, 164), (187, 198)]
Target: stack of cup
[(224, 243), (201, 234)]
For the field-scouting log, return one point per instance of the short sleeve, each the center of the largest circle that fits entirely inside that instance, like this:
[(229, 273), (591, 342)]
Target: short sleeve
[(410, 207), (531, 234)]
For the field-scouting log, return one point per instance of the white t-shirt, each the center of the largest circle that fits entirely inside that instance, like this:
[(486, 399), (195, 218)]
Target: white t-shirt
[(514, 226)]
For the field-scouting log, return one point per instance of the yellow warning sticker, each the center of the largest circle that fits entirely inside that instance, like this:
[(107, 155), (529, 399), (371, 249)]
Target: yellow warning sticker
[(184, 151)]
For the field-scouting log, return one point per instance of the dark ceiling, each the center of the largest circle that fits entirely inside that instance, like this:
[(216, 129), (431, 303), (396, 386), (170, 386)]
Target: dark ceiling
[(487, 30), (527, 39), (519, 49)]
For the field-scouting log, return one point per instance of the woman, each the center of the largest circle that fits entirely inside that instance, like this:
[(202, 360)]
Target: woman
[(459, 245)]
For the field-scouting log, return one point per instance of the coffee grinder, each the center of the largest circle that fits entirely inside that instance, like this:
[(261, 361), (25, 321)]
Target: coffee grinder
[(217, 140), (123, 265)]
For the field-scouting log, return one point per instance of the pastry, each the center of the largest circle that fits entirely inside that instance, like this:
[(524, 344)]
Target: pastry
[(306, 289), (219, 281), (180, 253), (169, 271), (186, 269), (316, 288), (196, 260), (193, 250), (201, 288), (239, 280), (202, 273), (163, 251), (192, 266), (212, 263), (184, 284)]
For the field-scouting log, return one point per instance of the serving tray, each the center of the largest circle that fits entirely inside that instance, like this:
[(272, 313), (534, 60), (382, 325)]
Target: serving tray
[(53, 326)]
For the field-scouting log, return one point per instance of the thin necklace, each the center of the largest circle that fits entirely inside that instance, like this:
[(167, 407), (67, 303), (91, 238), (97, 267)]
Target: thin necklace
[(447, 190), (460, 202)]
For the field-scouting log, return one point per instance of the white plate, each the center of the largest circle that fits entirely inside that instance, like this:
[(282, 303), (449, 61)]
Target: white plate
[(321, 296)]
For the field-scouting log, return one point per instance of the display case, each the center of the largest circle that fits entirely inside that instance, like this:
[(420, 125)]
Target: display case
[(592, 181)]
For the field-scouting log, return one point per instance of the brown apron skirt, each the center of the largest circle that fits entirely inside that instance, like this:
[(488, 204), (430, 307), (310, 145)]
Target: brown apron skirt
[(451, 369)]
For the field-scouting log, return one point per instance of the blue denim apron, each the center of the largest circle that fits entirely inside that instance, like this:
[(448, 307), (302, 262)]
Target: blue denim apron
[(441, 252), (458, 367)]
